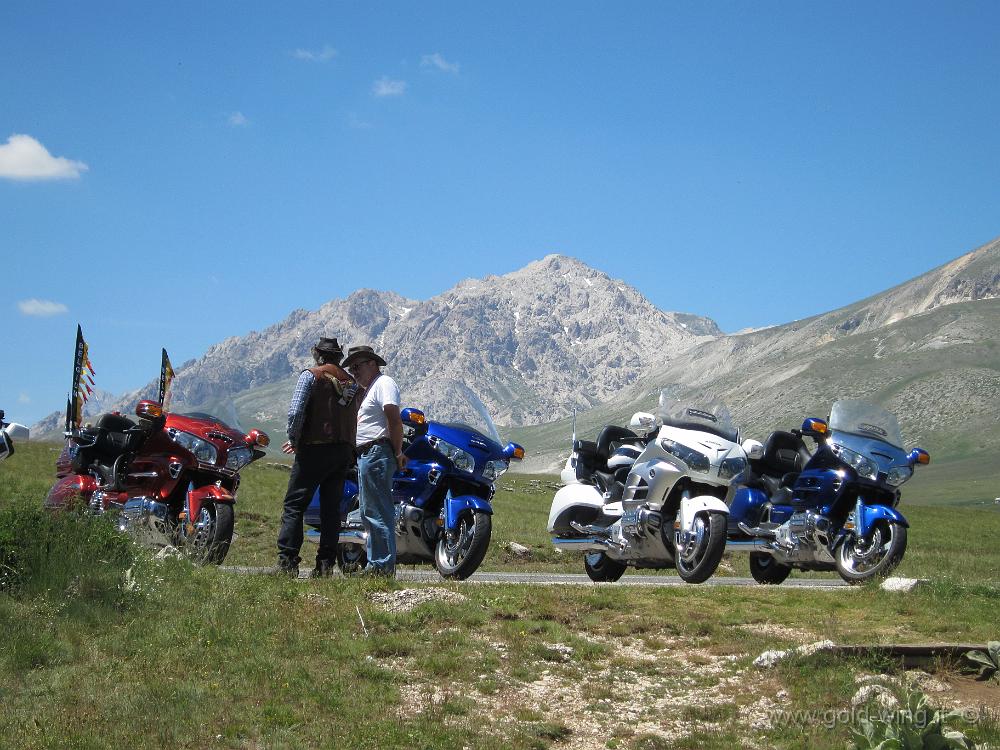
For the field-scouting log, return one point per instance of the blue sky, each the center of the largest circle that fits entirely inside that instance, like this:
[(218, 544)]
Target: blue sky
[(172, 174)]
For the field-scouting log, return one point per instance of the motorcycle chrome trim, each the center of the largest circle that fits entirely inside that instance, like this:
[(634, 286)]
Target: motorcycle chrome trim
[(144, 475), (353, 537), (756, 531), (600, 531), (175, 468), (146, 519)]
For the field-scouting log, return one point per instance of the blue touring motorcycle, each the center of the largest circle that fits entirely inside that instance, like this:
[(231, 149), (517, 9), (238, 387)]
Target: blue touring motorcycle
[(443, 496), (835, 509)]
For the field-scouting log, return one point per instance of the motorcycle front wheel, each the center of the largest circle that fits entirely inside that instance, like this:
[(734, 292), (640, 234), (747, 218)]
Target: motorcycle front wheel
[(603, 569), (860, 560), (351, 558), (459, 555), (209, 543), (699, 557)]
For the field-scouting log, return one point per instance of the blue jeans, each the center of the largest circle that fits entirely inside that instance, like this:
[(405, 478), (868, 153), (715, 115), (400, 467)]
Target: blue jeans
[(378, 512)]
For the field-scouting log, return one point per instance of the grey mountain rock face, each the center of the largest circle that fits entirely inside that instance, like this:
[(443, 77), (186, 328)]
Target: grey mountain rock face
[(533, 345)]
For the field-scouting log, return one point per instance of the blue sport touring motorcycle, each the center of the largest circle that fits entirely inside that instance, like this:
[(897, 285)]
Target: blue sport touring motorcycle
[(835, 509), (443, 496)]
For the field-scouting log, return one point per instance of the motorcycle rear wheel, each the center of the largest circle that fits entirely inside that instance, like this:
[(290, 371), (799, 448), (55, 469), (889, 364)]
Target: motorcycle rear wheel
[(461, 556), (603, 569), (766, 570), (699, 563), (209, 544), (860, 560)]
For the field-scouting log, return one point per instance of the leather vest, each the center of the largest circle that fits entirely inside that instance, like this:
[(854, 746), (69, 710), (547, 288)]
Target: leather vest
[(327, 420)]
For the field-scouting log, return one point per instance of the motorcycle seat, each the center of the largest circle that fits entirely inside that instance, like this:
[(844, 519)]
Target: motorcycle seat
[(609, 436), (784, 453)]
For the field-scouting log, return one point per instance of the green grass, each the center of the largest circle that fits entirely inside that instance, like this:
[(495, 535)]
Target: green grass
[(104, 648)]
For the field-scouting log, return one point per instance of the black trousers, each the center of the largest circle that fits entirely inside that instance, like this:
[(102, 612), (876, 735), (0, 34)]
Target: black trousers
[(323, 466)]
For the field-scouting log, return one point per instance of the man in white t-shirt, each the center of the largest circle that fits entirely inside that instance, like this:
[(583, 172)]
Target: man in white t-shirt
[(380, 454)]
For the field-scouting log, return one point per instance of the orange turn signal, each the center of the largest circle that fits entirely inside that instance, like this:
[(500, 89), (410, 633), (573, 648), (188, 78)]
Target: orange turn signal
[(519, 453), (149, 410), (413, 416), (258, 437)]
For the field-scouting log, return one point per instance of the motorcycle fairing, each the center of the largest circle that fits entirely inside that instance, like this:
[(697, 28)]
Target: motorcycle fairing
[(579, 502), (70, 488), (747, 504), (455, 506), (691, 506), (865, 517), (196, 497)]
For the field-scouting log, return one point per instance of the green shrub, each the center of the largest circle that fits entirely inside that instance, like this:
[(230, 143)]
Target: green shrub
[(67, 556), (917, 727), (984, 664)]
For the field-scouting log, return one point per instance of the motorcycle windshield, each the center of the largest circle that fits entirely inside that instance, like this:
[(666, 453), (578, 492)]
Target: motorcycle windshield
[(456, 405), (223, 412), (857, 417), (707, 414)]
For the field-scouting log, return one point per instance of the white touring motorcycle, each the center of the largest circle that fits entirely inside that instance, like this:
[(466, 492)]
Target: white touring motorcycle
[(653, 495), (6, 444)]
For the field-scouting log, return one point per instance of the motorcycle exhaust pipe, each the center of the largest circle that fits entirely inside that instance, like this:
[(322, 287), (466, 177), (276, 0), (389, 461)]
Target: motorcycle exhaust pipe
[(578, 543), (752, 545)]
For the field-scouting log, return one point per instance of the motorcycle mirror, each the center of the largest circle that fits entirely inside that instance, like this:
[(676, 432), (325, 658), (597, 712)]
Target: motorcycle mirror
[(754, 449), (919, 457), (642, 422), (814, 426), (513, 450)]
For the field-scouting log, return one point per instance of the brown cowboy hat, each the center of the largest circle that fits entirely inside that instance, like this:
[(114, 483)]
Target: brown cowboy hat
[(328, 346), (360, 354)]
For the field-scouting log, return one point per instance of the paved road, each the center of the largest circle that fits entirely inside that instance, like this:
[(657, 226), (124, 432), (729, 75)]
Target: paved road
[(580, 579)]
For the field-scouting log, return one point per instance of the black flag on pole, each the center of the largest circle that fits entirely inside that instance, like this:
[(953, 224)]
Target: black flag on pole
[(166, 377), (74, 417)]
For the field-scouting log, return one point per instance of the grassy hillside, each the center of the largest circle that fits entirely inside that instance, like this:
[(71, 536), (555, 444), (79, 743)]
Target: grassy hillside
[(105, 648)]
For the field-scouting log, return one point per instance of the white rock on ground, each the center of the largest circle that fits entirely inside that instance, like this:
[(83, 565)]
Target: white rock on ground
[(518, 549), (879, 693), (902, 585), (769, 658)]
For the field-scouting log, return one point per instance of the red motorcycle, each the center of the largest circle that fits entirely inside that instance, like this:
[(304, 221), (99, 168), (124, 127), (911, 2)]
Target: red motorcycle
[(171, 478)]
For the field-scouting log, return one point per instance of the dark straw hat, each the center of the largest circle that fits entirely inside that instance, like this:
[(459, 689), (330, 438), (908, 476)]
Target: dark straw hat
[(328, 346), (360, 354)]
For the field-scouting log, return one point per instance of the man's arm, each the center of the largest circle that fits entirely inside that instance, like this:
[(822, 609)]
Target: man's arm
[(297, 410), (395, 432)]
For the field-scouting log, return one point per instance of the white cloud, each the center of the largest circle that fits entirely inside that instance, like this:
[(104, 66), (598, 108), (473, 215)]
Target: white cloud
[(437, 61), (23, 398), (41, 308), (238, 120), (323, 55), (24, 158), (386, 86)]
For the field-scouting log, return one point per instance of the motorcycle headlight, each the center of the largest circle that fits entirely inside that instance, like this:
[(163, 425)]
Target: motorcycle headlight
[(462, 460), (695, 460), (238, 458), (494, 469), (732, 467), (865, 467), (203, 450), (899, 474)]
